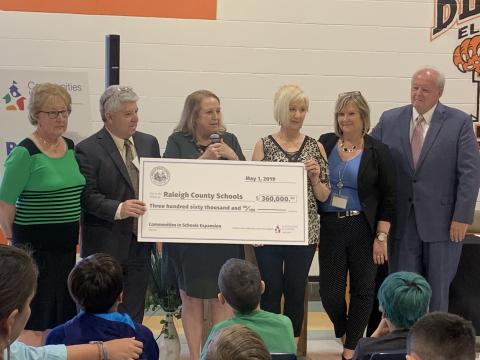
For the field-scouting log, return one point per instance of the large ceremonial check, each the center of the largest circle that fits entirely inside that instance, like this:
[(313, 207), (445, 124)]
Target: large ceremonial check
[(228, 202)]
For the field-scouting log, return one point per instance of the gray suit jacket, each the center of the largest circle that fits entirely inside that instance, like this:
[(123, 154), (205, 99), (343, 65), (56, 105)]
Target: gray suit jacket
[(108, 184), (444, 187)]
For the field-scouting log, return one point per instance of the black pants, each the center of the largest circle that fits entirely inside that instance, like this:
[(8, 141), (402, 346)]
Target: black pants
[(284, 269), (136, 272), (53, 248), (346, 247)]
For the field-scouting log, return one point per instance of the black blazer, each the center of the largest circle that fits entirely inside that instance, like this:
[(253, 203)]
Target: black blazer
[(376, 178)]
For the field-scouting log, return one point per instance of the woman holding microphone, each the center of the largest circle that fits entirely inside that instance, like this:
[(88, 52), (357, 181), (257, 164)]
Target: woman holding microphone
[(201, 134)]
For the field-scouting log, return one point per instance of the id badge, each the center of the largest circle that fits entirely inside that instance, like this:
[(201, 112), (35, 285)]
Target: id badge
[(339, 201)]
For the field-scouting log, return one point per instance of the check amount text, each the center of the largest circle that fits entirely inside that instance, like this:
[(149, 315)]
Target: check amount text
[(277, 198)]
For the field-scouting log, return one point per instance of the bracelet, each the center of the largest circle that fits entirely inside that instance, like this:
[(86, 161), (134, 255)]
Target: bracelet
[(102, 350)]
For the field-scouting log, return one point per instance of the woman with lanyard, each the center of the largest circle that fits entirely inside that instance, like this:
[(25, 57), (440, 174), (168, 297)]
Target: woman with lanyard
[(355, 219)]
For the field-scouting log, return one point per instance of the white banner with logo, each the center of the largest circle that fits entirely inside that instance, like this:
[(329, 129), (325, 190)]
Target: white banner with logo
[(228, 202), (15, 87)]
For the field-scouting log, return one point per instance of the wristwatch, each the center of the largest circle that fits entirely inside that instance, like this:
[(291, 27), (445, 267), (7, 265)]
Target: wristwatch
[(381, 236)]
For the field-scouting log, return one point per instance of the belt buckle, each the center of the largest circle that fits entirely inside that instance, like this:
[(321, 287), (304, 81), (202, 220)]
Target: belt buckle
[(345, 214)]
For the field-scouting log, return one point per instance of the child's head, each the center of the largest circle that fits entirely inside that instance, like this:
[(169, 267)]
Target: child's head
[(441, 336), (240, 284), (403, 298), (96, 283), (237, 342), (18, 282)]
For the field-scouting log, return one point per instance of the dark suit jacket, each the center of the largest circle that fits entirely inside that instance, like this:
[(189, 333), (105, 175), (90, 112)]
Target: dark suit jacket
[(444, 186), (108, 184), (376, 179)]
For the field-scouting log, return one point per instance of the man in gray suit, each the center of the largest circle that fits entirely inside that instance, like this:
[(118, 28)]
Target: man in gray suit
[(110, 205), (438, 176)]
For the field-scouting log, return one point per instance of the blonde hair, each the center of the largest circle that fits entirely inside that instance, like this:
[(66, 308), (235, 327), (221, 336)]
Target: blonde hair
[(284, 97), (354, 97), (191, 112), (237, 342), (42, 94)]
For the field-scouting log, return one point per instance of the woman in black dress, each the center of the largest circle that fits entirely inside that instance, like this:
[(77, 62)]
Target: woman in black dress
[(197, 265)]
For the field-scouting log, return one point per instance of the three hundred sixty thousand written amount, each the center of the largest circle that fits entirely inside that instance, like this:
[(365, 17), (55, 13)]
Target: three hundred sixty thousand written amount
[(194, 207)]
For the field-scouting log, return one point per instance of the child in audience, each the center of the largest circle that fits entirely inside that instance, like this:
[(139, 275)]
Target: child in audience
[(96, 284), (441, 336), (403, 298), (241, 288), (237, 342), (18, 279)]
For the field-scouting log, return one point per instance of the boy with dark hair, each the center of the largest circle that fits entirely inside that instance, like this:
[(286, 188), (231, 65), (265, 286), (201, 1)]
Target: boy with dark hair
[(96, 284), (441, 336), (241, 289)]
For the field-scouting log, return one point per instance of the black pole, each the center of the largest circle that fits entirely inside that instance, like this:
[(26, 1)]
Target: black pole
[(112, 60)]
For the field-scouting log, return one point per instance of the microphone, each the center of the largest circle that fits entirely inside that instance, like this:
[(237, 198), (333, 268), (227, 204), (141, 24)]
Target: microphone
[(215, 138)]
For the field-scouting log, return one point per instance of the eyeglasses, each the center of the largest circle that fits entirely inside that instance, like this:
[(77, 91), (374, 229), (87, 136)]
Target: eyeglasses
[(54, 114), (119, 89), (350, 93)]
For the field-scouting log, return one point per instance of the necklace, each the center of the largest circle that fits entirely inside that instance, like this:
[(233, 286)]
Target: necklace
[(45, 142), (347, 149), (340, 178)]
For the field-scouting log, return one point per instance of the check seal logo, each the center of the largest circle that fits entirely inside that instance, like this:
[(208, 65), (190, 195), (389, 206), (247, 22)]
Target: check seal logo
[(159, 176)]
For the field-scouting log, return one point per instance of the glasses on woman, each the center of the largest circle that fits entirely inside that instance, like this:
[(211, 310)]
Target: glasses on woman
[(54, 114)]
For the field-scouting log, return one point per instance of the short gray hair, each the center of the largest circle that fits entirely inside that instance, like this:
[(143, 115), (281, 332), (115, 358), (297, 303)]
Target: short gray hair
[(113, 97), (432, 69)]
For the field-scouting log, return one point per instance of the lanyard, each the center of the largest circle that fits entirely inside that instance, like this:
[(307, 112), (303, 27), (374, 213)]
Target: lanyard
[(340, 177)]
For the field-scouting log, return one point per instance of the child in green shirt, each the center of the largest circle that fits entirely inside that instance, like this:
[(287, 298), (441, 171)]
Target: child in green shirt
[(241, 289)]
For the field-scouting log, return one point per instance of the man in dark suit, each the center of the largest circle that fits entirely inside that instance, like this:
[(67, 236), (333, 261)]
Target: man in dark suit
[(110, 205), (438, 176)]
